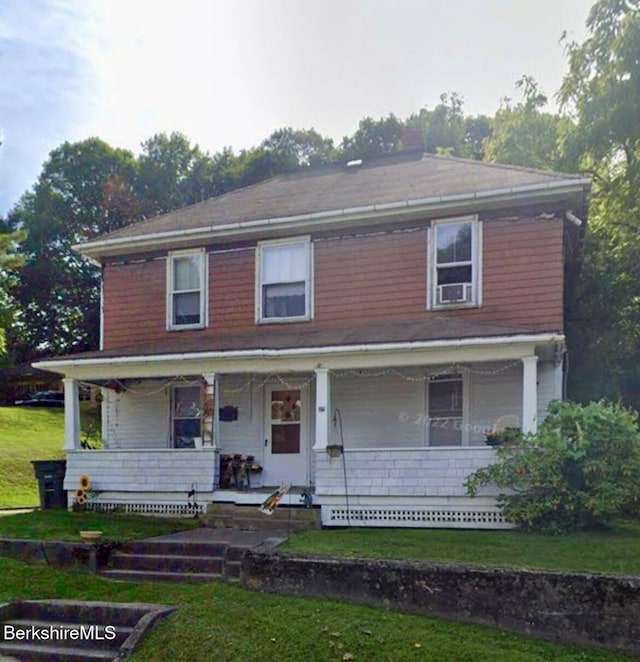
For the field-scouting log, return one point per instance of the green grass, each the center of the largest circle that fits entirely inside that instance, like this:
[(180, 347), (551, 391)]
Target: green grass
[(616, 550), (220, 622), (27, 434), (63, 525)]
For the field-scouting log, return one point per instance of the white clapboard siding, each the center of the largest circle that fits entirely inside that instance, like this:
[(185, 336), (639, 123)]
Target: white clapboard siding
[(380, 411), (549, 386), (493, 396), (161, 470), (137, 418), (244, 436), (419, 472)]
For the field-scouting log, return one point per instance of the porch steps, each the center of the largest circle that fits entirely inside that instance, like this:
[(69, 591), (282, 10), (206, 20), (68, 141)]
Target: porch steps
[(284, 520), (175, 561), (73, 630), (157, 560), (159, 576)]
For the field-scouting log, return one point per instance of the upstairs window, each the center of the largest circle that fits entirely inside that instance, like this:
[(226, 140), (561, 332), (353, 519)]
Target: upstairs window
[(454, 260), (186, 290), (284, 281)]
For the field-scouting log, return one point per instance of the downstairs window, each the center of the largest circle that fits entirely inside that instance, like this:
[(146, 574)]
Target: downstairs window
[(445, 410), (186, 415)]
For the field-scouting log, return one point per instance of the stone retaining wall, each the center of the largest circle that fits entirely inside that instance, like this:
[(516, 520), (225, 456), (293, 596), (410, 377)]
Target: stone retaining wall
[(56, 553), (578, 608)]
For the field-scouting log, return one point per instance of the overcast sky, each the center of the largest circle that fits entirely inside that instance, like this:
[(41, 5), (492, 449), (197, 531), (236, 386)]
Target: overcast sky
[(229, 72)]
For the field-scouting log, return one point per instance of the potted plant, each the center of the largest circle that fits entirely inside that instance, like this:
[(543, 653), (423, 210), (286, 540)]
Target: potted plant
[(502, 437)]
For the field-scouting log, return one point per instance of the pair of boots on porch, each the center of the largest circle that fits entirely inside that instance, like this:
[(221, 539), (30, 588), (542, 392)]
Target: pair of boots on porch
[(236, 469)]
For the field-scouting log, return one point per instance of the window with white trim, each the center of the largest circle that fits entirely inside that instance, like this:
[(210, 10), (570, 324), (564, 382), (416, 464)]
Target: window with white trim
[(186, 415), (445, 406), (284, 281), (455, 263), (186, 291)]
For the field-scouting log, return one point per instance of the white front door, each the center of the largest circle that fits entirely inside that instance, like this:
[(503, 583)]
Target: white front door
[(286, 453)]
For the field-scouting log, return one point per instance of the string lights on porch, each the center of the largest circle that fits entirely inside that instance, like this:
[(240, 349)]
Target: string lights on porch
[(443, 370), (259, 381)]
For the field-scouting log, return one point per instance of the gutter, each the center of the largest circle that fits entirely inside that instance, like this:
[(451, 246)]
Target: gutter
[(306, 351), (418, 205)]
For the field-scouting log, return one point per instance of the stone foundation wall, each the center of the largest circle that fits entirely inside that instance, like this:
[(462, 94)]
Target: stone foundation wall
[(578, 608)]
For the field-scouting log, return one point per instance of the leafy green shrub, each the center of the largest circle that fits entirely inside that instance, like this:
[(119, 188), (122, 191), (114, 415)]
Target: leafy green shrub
[(581, 469)]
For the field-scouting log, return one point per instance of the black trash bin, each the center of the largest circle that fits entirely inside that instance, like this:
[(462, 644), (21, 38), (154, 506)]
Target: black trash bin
[(50, 477)]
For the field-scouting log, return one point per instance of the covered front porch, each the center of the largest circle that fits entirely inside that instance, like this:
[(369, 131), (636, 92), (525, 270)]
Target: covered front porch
[(383, 436)]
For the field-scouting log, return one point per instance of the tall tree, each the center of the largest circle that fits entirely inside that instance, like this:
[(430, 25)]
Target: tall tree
[(523, 134), (602, 87), (10, 260), (172, 173), (57, 289), (373, 137), (602, 91), (446, 129), (285, 150), (299, 147)]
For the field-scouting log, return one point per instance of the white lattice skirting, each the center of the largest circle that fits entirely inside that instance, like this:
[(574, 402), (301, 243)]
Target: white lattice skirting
[(415, 516), (138, 508)]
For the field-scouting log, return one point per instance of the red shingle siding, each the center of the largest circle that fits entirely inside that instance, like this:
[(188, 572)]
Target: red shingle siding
[(134, 302), (356, 279), (522, 279), (232, 290), (374, 277)]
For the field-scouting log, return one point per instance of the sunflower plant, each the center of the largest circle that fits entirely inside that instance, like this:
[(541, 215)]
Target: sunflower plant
[(83, 493)]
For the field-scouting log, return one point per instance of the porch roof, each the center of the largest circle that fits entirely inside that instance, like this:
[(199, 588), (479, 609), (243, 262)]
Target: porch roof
[(264, 338)]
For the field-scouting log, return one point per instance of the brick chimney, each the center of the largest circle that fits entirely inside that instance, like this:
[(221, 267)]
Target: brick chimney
[(412, 138)]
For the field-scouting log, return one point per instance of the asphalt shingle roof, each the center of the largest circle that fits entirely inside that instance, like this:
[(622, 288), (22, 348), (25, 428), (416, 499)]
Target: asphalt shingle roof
[(431, 328), (378, 181)]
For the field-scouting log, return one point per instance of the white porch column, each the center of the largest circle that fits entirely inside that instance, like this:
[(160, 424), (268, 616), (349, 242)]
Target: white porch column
[(71, 414), (529, 394), (323, 407), (211, 422)]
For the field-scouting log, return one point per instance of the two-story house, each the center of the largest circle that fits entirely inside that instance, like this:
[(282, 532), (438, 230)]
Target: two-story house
[(356, 328)]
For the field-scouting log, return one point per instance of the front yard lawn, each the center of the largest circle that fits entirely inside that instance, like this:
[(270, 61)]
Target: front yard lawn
[(63, 525), (226, 623), (615, 550), (28, 433)]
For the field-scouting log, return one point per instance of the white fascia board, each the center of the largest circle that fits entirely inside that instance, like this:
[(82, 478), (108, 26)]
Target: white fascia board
[(528, 340), (430, 205)]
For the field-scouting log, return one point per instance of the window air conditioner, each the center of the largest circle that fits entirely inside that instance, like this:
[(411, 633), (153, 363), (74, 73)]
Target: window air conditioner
[(454, 293)]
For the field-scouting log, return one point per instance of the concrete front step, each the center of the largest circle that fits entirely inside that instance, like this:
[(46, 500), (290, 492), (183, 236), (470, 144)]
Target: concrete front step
[(28, 652), (74, 630), (201, 554), (167, 562), (175, 548), (79, 612), (311, 516), (260, 523), (160, 576)]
